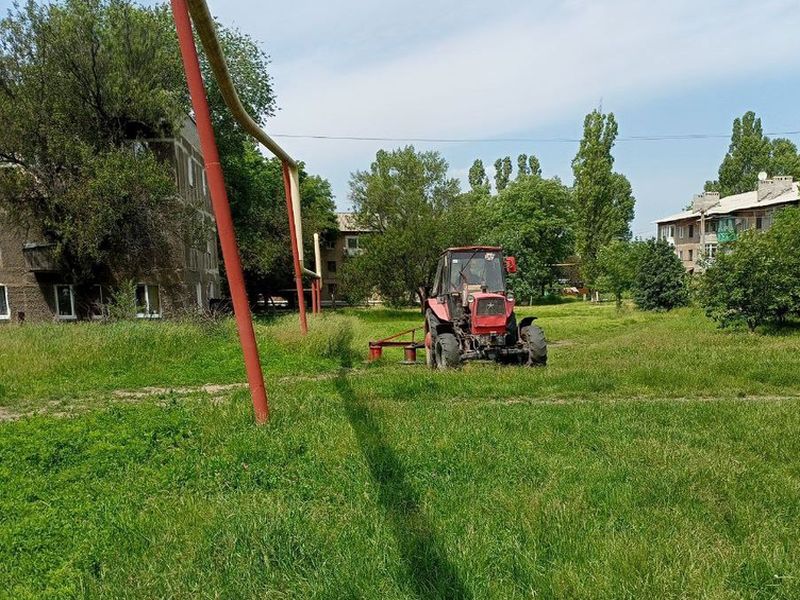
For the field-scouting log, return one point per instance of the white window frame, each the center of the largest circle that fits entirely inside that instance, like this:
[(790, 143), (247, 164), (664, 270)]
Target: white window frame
[(4, 291), (190, 168), (205, 182), (103, 306), (73, 315), (148, 314)]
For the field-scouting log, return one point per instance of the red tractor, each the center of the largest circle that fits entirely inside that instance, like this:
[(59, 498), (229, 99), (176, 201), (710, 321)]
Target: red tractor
[(469, 314)]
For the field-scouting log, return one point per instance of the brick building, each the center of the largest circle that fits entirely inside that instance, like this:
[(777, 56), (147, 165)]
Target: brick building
[(335, 252), (33, 288)]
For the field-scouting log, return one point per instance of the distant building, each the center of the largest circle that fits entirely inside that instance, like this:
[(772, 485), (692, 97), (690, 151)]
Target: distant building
[(697, 232), (336, 251), (32, 287)]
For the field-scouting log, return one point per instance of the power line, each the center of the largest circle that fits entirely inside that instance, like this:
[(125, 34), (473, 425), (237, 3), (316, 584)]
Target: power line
[(553, 140)]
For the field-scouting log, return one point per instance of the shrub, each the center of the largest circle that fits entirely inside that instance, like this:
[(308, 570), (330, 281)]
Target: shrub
[(757, 279), (660, 282)]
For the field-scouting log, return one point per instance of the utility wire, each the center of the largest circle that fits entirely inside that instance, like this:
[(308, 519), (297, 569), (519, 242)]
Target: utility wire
[(555, 140)]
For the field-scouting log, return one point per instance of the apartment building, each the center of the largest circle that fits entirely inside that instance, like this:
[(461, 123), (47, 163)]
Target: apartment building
[(338, 250), (34, 288), (696, 233)]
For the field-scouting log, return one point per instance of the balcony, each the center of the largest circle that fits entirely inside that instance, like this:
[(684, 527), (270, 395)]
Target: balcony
[(40, 257)]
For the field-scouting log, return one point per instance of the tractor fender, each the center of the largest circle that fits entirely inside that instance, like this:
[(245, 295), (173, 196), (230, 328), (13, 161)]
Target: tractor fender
[(439, 309), (434, 326), (526, 321)]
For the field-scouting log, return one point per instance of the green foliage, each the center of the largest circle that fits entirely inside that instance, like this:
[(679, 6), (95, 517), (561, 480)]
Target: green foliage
[(751, 152), (617, 267), (660, 282), (522, 166), (534, 167), (604, 201), (416, 211), (79, 81), (531, 219), (502, 173), (478, 180), (757, 279)]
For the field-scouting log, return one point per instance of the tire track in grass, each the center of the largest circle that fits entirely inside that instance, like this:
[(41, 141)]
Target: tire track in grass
[(430, 572)]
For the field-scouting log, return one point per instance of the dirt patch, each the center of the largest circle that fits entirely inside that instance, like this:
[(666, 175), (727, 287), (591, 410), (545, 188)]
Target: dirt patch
[(209, 388), (8, 415)]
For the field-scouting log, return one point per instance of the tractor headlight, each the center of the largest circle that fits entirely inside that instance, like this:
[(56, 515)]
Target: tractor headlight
[(470, 299), (510, 297)]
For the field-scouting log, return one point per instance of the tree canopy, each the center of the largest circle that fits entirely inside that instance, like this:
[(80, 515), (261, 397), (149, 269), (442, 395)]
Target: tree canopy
[(751, 152), (415, 211), (81, 81), (604, 202), (532, 220)]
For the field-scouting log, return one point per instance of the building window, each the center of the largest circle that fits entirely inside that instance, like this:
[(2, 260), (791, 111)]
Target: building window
[(331, 266), (681, 232), (98, 302), (190, 170), (65, 301), (5, 308), (759, 223), (680, 254), (148, 301), (691, 255), (711, 251), (691, 231), (332, 290), (672, 231), (205, 182), (351, 245), (330, 244)]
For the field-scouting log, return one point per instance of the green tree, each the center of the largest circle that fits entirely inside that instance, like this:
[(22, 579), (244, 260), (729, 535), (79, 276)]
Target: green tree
[(478, 180), (531, 219), (748, 154), (784, 159), (80, 83), (415, 210), (660, 282), (616, 265), (534, 167), (522, 166), (758, 279), (502, 173), (604, 202)]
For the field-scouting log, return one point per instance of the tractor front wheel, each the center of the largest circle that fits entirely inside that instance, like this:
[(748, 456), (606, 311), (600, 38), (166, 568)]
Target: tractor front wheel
[(447, 352), (534, 340)]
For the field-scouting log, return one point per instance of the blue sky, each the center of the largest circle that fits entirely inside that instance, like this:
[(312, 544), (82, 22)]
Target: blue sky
[(500, 69)]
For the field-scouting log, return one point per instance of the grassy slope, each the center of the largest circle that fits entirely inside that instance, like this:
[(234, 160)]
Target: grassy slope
[(577, 480)]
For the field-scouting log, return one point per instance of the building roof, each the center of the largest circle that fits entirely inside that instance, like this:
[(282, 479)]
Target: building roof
[(347, 222), (736, 202)]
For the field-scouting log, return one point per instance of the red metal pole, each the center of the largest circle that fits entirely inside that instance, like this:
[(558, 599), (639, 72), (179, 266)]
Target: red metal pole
[(222, 210), (298, 270)]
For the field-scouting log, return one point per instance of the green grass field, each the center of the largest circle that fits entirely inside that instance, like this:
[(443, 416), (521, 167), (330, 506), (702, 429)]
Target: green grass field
[(655, 457)]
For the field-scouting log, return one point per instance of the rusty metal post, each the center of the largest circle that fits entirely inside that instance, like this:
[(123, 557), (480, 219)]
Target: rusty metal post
[(298, 269), (222, 210)]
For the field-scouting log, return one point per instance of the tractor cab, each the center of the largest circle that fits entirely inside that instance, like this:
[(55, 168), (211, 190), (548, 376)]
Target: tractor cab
[(470, 286)]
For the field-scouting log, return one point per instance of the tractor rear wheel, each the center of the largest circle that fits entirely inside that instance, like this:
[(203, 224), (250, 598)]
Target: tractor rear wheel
[(447, 352), (533, 338), (430, 358)]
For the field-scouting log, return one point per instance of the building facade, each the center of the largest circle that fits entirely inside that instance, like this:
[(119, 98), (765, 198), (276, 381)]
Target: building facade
[(33, 288), (696, 233), (336, 252)]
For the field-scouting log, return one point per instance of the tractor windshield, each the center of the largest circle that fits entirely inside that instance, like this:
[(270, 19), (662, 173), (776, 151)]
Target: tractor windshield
[(476, 270)]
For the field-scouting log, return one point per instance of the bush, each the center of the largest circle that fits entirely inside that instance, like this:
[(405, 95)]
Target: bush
[(757, 279), (660, 282)]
